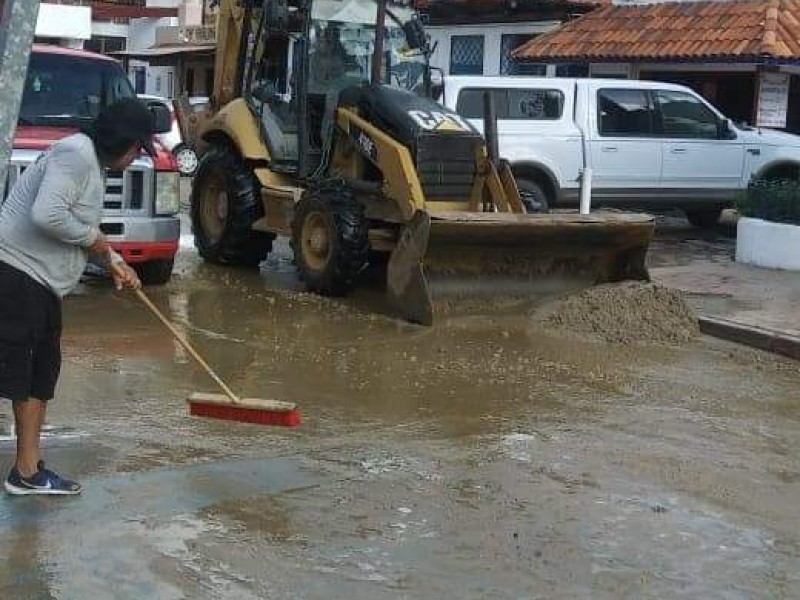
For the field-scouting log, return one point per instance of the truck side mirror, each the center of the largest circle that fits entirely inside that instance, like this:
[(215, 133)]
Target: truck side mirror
[(162, 116), (416, 38), (437, 85), (276, 14), (725, 130)]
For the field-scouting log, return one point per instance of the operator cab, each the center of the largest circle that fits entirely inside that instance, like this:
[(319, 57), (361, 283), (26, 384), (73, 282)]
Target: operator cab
[(302, 60)]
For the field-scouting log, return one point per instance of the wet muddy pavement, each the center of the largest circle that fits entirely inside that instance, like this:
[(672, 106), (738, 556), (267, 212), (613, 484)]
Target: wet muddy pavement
[(480, 458)]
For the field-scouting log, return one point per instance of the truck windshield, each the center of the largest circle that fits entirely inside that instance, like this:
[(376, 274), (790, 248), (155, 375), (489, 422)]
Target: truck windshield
[(343, 38), (68, 91)]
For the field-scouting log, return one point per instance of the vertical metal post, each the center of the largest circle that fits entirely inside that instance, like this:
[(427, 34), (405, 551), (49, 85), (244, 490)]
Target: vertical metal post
[(490, 127), (17, 27), (380, 38)]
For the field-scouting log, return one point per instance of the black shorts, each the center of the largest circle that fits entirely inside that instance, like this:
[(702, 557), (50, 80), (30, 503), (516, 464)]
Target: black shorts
[(30, 337)]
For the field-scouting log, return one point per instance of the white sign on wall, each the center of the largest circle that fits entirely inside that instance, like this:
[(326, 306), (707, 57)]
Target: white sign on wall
[(773, 100), (64, 22)]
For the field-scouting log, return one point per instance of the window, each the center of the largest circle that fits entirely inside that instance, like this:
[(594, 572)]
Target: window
[(513, 103), (190, 80), (470, 103), (508, 66), (103, 44), (209, 81), (572, 70), (140, 79), (535, 104), (466, 55), (624, 112), (685, 116), (68, 91)]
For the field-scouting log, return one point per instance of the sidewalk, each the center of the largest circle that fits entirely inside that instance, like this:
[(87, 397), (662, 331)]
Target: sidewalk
[(748, 305)]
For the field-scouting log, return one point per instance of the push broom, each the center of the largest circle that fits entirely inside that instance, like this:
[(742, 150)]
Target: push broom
[(227, 406)]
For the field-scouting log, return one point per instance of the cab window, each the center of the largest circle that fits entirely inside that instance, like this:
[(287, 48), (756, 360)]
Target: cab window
[(683, 115), (624, 113), (521, 104)]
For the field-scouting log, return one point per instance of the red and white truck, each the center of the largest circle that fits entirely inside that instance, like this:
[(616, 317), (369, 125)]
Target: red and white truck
[(65, 89)]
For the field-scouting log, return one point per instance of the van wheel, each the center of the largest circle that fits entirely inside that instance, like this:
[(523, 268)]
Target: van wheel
[(226, 201), (154, 272), (186, 158), (705, 219), (533, 197)]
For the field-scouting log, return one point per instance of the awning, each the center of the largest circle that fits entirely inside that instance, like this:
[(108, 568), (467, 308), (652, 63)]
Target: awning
[(166, 51), (106, 11)]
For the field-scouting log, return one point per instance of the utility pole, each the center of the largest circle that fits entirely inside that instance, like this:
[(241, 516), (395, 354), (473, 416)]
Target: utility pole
[(17, 27)]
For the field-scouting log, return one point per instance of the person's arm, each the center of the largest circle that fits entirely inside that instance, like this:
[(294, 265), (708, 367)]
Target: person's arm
[(105, 258), (121, 272), (63, 183)]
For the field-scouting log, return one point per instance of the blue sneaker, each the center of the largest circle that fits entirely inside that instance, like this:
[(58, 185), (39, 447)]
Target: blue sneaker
[(42, 482)]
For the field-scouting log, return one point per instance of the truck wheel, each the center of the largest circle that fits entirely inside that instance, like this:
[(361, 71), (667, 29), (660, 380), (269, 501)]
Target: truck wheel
[(533, 196), (154, 272), (705, 219), (186, 158), (226, 201), (329, 239)]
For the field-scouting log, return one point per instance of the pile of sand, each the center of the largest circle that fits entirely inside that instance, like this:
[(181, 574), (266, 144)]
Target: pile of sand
[(624, 312)]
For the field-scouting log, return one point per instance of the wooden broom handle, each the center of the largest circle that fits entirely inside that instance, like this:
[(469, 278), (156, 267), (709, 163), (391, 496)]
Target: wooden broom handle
[(187, 346)]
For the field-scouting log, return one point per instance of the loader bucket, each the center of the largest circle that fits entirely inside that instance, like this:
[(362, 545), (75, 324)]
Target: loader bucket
[(479, 260)]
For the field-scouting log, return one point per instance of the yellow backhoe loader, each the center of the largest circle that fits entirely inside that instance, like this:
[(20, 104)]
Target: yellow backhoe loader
[(325, 131)]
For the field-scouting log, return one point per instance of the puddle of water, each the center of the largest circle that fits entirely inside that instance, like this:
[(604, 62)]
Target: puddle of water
[(481, 458)]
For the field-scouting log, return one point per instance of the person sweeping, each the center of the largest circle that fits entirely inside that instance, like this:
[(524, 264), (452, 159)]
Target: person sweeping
[(49, 229)]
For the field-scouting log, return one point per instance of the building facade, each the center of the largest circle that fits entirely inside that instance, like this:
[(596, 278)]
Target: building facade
[(478, 37), (102, 26)]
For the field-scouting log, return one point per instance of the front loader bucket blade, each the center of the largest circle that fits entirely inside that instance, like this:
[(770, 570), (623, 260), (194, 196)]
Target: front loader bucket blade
[(445, 262), (406, 284)]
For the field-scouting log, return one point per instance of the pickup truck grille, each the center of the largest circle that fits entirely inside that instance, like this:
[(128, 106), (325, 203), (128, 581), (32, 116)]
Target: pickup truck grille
[(127, 193), (446, 165)]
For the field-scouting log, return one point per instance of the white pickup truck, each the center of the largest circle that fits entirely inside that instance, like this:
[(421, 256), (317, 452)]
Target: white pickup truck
[(648, 144)]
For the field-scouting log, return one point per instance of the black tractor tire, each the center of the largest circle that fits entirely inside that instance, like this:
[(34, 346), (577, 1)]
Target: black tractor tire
[(223, 235), (707, 218), (533, 197), (330, 239), (154, 272)]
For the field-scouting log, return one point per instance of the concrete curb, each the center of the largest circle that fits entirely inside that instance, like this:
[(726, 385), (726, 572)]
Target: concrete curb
[(760, 338)]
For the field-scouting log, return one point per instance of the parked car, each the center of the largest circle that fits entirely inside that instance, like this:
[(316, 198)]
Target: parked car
[(185, 153), (64, 90), (648, 144)]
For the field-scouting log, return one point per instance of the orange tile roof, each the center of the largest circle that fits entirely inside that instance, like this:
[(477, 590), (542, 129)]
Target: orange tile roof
[(682, 31), (503, 4)]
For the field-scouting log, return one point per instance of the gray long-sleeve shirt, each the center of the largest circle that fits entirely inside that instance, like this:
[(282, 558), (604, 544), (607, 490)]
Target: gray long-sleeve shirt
[(52, 214)]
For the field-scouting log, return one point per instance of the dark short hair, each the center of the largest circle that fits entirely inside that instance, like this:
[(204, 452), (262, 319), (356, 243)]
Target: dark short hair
[(119, 127)]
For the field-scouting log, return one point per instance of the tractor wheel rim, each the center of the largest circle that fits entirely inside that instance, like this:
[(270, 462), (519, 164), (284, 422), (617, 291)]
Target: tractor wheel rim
[(316, 241), (214, 210)]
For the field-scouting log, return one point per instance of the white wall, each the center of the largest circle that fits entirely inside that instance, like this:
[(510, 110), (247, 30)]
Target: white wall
[(159, 81), (492, 41), (164, 3), (110, 29), (64, 22), (612, 71), (142, 32)]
